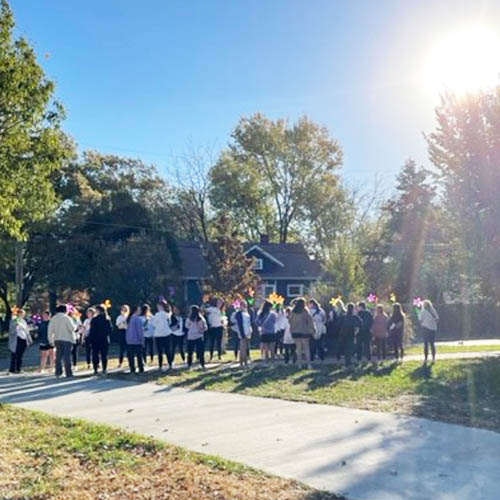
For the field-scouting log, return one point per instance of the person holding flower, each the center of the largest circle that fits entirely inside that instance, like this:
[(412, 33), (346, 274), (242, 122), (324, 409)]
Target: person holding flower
[(428, 318)]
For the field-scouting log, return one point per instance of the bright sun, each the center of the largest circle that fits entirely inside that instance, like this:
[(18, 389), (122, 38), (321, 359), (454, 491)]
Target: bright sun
[(464, 61)]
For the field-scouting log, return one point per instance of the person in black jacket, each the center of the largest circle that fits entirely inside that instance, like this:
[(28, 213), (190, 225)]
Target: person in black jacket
[(364, 339), (349, 327), (100, 332)]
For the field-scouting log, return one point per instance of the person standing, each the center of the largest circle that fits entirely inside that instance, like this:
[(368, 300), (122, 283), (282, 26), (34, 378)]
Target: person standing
[(163, 334), (429, 318), (281, 321), (364, 338), (135, 340), (266, 321), (243, 327), (22, 341), (396, 327), (86, 330), (121, 327), (196, 326), (178, 333), (302, 329), (288, 342), (148, 327), (75, 317), (63, 335), (99, 335), (215, 327), (379, 331), (46, 348), (319, 319), (351, 325)]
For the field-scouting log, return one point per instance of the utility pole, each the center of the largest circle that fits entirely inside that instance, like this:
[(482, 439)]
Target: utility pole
[(19, 273)]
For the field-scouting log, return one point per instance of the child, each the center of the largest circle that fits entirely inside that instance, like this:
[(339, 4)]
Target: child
[(91, 312), (121, 326), (196, 326), (46, 348), (288, 342), (379, 331)]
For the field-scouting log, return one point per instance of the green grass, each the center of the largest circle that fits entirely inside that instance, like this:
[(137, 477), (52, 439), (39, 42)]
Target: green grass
[(463, 391), (445, 349), (44, 457)]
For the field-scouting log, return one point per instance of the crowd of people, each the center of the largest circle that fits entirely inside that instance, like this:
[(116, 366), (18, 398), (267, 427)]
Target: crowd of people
[(299, 333)]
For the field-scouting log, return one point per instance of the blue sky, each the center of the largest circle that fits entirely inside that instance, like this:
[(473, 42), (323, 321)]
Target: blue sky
[(146, 79)]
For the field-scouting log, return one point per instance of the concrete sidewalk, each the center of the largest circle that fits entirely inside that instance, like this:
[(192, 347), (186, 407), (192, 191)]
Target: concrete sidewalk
[(361, 454)]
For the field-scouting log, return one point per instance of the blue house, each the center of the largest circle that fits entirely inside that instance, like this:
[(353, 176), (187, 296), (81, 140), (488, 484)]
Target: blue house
[(284, 268)]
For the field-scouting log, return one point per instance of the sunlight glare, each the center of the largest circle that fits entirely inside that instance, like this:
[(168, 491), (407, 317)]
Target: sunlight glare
[(464, 61)]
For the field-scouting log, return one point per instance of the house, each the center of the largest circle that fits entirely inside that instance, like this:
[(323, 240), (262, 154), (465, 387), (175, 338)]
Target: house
[(284, 268)]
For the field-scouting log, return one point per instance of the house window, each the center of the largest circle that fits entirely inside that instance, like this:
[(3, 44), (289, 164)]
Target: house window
[(258, 264), (268, 289), (295, 290)]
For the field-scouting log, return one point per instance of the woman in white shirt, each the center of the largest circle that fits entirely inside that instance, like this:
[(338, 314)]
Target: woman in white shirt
[(215, 329), (121, 324), (163, 334), (196, 327), (428, 321)]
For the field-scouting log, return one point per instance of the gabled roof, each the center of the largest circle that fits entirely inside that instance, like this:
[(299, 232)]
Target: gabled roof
[(294, 260), (266, 254)]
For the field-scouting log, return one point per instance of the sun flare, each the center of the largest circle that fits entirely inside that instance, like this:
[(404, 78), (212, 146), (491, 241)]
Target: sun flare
[(464, 61)]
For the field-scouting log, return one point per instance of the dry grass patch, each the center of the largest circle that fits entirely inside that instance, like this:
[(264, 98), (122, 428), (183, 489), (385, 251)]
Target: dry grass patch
[(44, 457)]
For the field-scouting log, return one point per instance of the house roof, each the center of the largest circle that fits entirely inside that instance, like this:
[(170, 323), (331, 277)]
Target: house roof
[(295, 261)]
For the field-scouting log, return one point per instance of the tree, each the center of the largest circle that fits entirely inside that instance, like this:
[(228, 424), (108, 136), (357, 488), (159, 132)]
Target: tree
[(231, 272), (411, 216), (275, 177), (465, 149), (32, 145)]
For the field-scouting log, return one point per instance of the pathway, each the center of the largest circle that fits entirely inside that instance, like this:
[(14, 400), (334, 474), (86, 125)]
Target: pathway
[(361, 454)]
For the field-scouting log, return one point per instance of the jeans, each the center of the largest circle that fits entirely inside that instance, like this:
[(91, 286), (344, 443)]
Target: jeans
[(100, 351), (88, 351), (347, 347), (178, 343), (63, 356), (164, 346), (278, 347), (215, 340), (135, 351), (16, 358), (429, 338), (74, 354), (290, 353), (363, 345), (122, 343), (380, 345), (148, 348), (196, 345), (317, 347), (303, 348)]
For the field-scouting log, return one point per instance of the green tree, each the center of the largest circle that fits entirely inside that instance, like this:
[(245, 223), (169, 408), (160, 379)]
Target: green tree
[(32, 145), (411, 219), (231, 272), (275, 177), (465, 150)]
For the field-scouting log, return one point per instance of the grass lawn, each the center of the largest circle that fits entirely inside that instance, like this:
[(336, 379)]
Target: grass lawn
[(44, 457), (445, 349), (462, 391)]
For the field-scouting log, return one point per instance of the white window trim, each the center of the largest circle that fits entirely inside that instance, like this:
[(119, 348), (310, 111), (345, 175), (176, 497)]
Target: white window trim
[(294, 294), (258, 264)]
